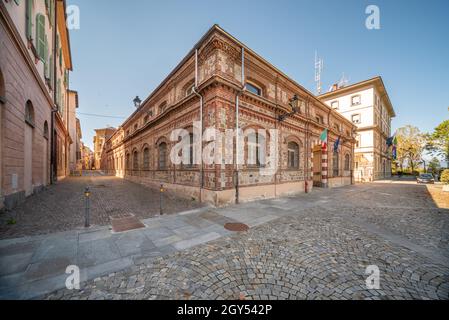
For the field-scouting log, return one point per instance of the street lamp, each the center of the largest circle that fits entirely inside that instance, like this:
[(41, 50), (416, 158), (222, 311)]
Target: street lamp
[(294, 104), (137, 101)]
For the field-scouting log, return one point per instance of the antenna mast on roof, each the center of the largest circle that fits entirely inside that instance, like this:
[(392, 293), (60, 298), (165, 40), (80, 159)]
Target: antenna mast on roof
[(343, 82), (319, 64)]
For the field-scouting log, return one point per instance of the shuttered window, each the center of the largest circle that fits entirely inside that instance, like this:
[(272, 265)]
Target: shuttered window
[(52, 74), (52, 12), (46, 61), (40, 36), (29, 19), (58, 94)]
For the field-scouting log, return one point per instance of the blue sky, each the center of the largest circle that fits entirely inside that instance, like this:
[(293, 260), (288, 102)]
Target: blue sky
[(126, 48)]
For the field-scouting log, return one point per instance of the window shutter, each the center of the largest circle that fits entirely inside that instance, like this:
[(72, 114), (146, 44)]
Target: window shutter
[(46, 66), (51, 71), (60, 57), (47, 4), (58, 94), (29, 20), (52, 12), (17, 2), (40, 36), (62, 103)]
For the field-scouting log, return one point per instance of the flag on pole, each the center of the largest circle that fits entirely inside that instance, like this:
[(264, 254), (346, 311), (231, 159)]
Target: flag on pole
[(336, 144), (323, 138), (389, 141)]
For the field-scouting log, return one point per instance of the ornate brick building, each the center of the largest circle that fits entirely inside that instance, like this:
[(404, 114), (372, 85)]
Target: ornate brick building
[(222, 84)]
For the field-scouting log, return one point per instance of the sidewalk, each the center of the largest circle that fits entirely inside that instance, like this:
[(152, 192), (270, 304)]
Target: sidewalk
[(33, 266)]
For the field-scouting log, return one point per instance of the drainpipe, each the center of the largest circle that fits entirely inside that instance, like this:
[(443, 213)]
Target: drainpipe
[(306, 162), (195, 91), (237, 132), (53, 170)]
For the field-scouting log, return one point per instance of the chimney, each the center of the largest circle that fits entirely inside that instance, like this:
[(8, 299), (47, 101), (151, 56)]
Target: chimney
[(334, 86)]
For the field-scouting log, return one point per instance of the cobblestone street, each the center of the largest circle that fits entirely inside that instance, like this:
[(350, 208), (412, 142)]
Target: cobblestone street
[(60, 207), (318, 247)]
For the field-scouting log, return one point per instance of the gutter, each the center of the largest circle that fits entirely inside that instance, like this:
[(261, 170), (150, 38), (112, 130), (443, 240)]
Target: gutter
[(237, 129), (195, 91)]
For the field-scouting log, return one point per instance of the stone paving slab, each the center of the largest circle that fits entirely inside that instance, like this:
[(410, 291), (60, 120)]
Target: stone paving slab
[(98, 250), (312, 251)]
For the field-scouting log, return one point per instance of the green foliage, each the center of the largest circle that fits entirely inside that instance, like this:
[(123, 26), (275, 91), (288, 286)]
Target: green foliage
[(438, 140), (434, 165), (445, 176), (11, 221), (411, 143)]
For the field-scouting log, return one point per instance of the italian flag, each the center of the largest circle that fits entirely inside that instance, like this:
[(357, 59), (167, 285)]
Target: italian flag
[(323, 138)]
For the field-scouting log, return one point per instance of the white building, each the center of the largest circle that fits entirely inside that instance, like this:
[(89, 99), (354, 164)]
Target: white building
[(368, 106)]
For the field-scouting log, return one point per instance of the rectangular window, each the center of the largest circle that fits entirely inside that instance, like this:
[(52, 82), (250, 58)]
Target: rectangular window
[(253, 89), (357, 141), (334, 105), (355, 118), (355, 100)]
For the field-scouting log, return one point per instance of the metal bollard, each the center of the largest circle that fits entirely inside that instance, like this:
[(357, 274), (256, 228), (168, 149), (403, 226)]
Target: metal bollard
[(87, 212), (160, 199)]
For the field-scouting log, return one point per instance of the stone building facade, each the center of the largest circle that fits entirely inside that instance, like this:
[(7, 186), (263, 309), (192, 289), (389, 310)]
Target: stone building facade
[(35, 61), (224, 84), (368, 106), (101, 135)]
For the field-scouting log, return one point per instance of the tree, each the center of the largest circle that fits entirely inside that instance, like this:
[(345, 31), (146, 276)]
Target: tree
[(434, 165), (445, 176), (411, 143), (438, 141)]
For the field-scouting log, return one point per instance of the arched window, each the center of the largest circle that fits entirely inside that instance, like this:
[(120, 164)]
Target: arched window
[(187, 159), (254, 89), (256, 149), (46, 130), (29, 113), (335, 171), (128, 164), (162, 156), (146, 158), (293, 155), (135, 160), (347, 162)]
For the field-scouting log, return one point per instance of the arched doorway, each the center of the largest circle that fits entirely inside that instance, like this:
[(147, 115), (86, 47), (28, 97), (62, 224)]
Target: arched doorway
[(28, 149), (45, 155)]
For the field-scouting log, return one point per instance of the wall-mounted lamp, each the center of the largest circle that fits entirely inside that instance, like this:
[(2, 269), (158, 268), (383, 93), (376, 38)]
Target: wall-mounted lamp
[(294, 104), (137, 101)]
